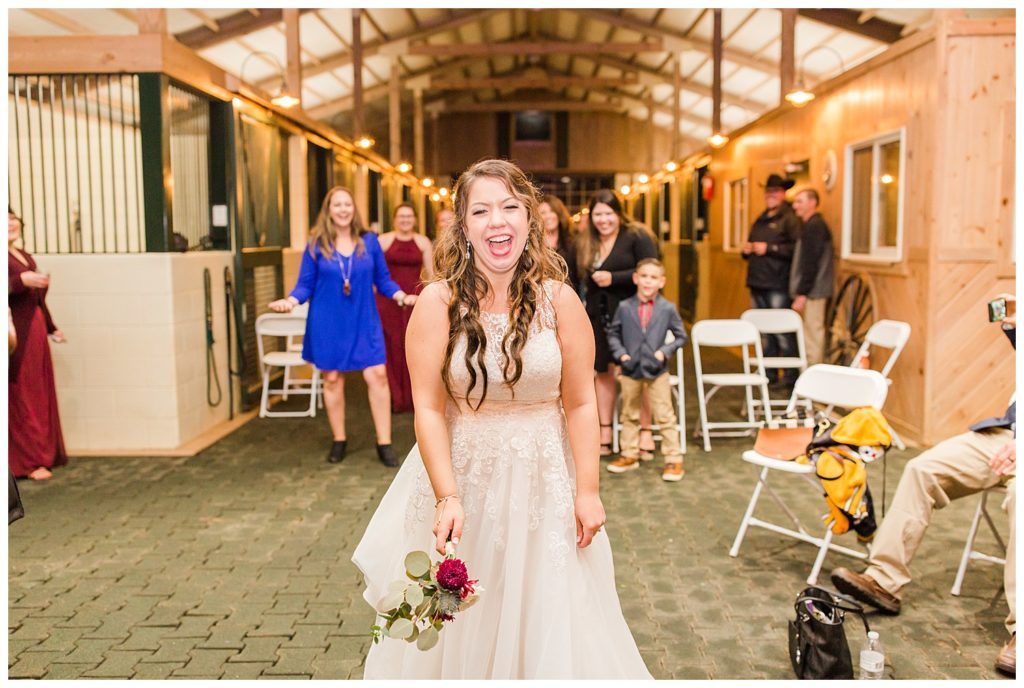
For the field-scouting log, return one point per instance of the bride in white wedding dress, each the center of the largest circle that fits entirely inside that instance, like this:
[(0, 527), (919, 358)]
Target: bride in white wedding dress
[(506, 464)]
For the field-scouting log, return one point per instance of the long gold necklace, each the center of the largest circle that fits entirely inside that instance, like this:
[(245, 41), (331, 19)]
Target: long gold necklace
[(346, 273)]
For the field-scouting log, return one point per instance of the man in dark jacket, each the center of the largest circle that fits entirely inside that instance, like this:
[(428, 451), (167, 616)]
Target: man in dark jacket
[(812, 275), (963, 465), (769, 255)]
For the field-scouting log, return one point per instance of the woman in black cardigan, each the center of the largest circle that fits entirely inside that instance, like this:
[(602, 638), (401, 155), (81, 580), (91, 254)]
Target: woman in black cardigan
[(602, 262)]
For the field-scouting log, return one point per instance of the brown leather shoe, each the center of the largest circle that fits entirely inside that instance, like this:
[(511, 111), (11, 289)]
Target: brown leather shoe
[(1006, 660), (866, 589)]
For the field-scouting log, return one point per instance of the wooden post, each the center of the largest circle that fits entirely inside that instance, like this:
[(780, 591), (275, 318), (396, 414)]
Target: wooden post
[(293, 52), (152, 21), (417, 131), (677, 83), (435, 144), (650, 133), (716, 80), (394, 112), (357, 75), (787, 61)]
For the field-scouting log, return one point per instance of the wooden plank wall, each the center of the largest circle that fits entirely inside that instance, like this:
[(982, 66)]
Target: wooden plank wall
[(898, 93), (599, 142), (952, 90), (971, 365)]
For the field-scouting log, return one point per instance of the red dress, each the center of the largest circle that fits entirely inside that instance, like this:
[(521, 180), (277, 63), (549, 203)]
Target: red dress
[(33, 425), (405, 263)]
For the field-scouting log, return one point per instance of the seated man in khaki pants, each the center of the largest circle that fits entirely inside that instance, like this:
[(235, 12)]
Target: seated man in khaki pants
[(960, 466)]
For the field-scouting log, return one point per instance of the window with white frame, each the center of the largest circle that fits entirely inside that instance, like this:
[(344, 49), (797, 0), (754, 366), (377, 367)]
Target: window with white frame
[(737, 217), (873, 199)]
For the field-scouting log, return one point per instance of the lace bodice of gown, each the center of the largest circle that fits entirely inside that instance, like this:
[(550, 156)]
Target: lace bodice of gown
[(542, 361)]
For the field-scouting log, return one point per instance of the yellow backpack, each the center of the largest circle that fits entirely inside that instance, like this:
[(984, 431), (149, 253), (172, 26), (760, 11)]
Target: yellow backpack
[(839, 453)]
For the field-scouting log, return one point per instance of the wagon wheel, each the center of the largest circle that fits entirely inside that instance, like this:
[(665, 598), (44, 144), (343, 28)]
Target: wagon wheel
[(850, 313)]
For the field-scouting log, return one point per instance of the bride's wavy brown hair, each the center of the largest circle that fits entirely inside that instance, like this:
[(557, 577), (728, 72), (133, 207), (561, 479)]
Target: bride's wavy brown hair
[(454, 265)]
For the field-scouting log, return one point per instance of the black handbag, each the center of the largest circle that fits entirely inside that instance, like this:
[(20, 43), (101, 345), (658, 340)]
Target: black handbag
[(817, 641)]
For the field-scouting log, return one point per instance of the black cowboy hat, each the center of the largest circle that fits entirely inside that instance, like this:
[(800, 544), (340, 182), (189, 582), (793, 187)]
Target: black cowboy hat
[(777, 182)]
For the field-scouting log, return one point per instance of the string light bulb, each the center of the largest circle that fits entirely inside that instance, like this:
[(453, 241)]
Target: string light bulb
[(717, 140), (404, 167)]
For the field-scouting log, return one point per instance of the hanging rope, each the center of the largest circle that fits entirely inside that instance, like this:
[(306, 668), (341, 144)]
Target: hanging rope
[(212, 378), (233, 310)]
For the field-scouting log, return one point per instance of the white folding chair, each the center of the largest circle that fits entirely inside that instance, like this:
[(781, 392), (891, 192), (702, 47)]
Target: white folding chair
[(885, 334), (301, 310), (981, 511), (283, 325), (825, 384), (729, 333), (770, 321), (676, 381)]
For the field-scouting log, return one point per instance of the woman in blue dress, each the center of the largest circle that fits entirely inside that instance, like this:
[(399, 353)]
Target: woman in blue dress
[(340, 268)]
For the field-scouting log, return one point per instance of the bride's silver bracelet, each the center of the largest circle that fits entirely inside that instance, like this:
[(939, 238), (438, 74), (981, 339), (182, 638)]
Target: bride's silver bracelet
[(445, 499)]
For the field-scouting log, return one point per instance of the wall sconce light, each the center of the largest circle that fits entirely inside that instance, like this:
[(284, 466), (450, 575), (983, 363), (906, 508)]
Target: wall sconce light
[(887, 179), (443, 191), (366, 142), (625, 189), (717, 140), (671, 166), (800, 95), (643, 179), (404, 167), (427, 182), (435, 197), (283, 98)]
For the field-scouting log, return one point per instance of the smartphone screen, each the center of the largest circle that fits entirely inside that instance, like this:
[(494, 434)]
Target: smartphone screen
[(996, 310)]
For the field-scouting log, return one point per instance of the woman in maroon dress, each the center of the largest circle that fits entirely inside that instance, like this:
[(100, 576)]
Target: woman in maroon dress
[(408, 254), (35, 442)]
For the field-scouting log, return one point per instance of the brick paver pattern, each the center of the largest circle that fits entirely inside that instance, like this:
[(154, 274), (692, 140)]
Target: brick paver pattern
[(235, 564)]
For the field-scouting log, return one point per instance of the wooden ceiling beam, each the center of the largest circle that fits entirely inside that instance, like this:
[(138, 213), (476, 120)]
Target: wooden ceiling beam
[(850, 20), (519, 105), (650, 73), (427, 28), (57, 19), (551, 82), (677, 40), (331, 108), (235, 25), (535, 48)]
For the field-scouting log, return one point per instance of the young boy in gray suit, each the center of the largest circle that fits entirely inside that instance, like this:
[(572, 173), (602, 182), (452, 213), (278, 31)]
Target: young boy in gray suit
[(636, 338)]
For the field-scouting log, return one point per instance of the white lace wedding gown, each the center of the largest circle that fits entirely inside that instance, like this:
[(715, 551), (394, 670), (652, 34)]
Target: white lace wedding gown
[(549, 610)]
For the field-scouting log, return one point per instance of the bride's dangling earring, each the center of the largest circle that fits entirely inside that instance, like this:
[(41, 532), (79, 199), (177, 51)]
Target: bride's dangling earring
[(469, 250)]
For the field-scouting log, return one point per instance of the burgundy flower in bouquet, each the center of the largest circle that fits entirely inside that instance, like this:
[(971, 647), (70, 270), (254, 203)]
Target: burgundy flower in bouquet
[(417, 610)]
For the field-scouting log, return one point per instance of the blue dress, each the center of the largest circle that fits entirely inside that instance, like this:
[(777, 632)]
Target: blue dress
[(344, 332)]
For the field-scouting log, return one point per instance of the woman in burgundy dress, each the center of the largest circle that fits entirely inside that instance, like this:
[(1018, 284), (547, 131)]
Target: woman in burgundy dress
[(35, 442), (408, 254)]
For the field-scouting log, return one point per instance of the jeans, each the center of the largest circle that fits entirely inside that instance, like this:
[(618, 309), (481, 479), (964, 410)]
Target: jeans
[(774, 345)]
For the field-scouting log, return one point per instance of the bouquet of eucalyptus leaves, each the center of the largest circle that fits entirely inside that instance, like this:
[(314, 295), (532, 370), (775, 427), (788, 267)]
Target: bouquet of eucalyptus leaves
[(415, 608)]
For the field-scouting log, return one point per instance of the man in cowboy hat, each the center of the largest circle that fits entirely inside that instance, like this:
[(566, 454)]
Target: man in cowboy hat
[(769, 255)]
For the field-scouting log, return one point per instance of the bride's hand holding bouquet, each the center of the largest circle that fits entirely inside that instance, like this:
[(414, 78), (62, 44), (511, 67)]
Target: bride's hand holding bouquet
[(449, 518)]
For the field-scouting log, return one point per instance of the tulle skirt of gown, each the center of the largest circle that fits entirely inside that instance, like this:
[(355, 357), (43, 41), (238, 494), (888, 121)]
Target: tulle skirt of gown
[(549, 609)]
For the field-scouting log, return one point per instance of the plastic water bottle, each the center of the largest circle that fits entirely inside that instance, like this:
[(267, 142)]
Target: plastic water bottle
[(872, 658)]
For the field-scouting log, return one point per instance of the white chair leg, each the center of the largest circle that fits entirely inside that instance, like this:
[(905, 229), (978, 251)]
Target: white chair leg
[(972, 533), (704, 417), (616, 425), (287, 382), (742, 532), (820, 559), (312, 394), (264, 397), (897, 440)]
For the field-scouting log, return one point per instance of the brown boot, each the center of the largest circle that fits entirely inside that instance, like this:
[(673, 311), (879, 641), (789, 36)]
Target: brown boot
[(866, 589), (1006, 660)]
